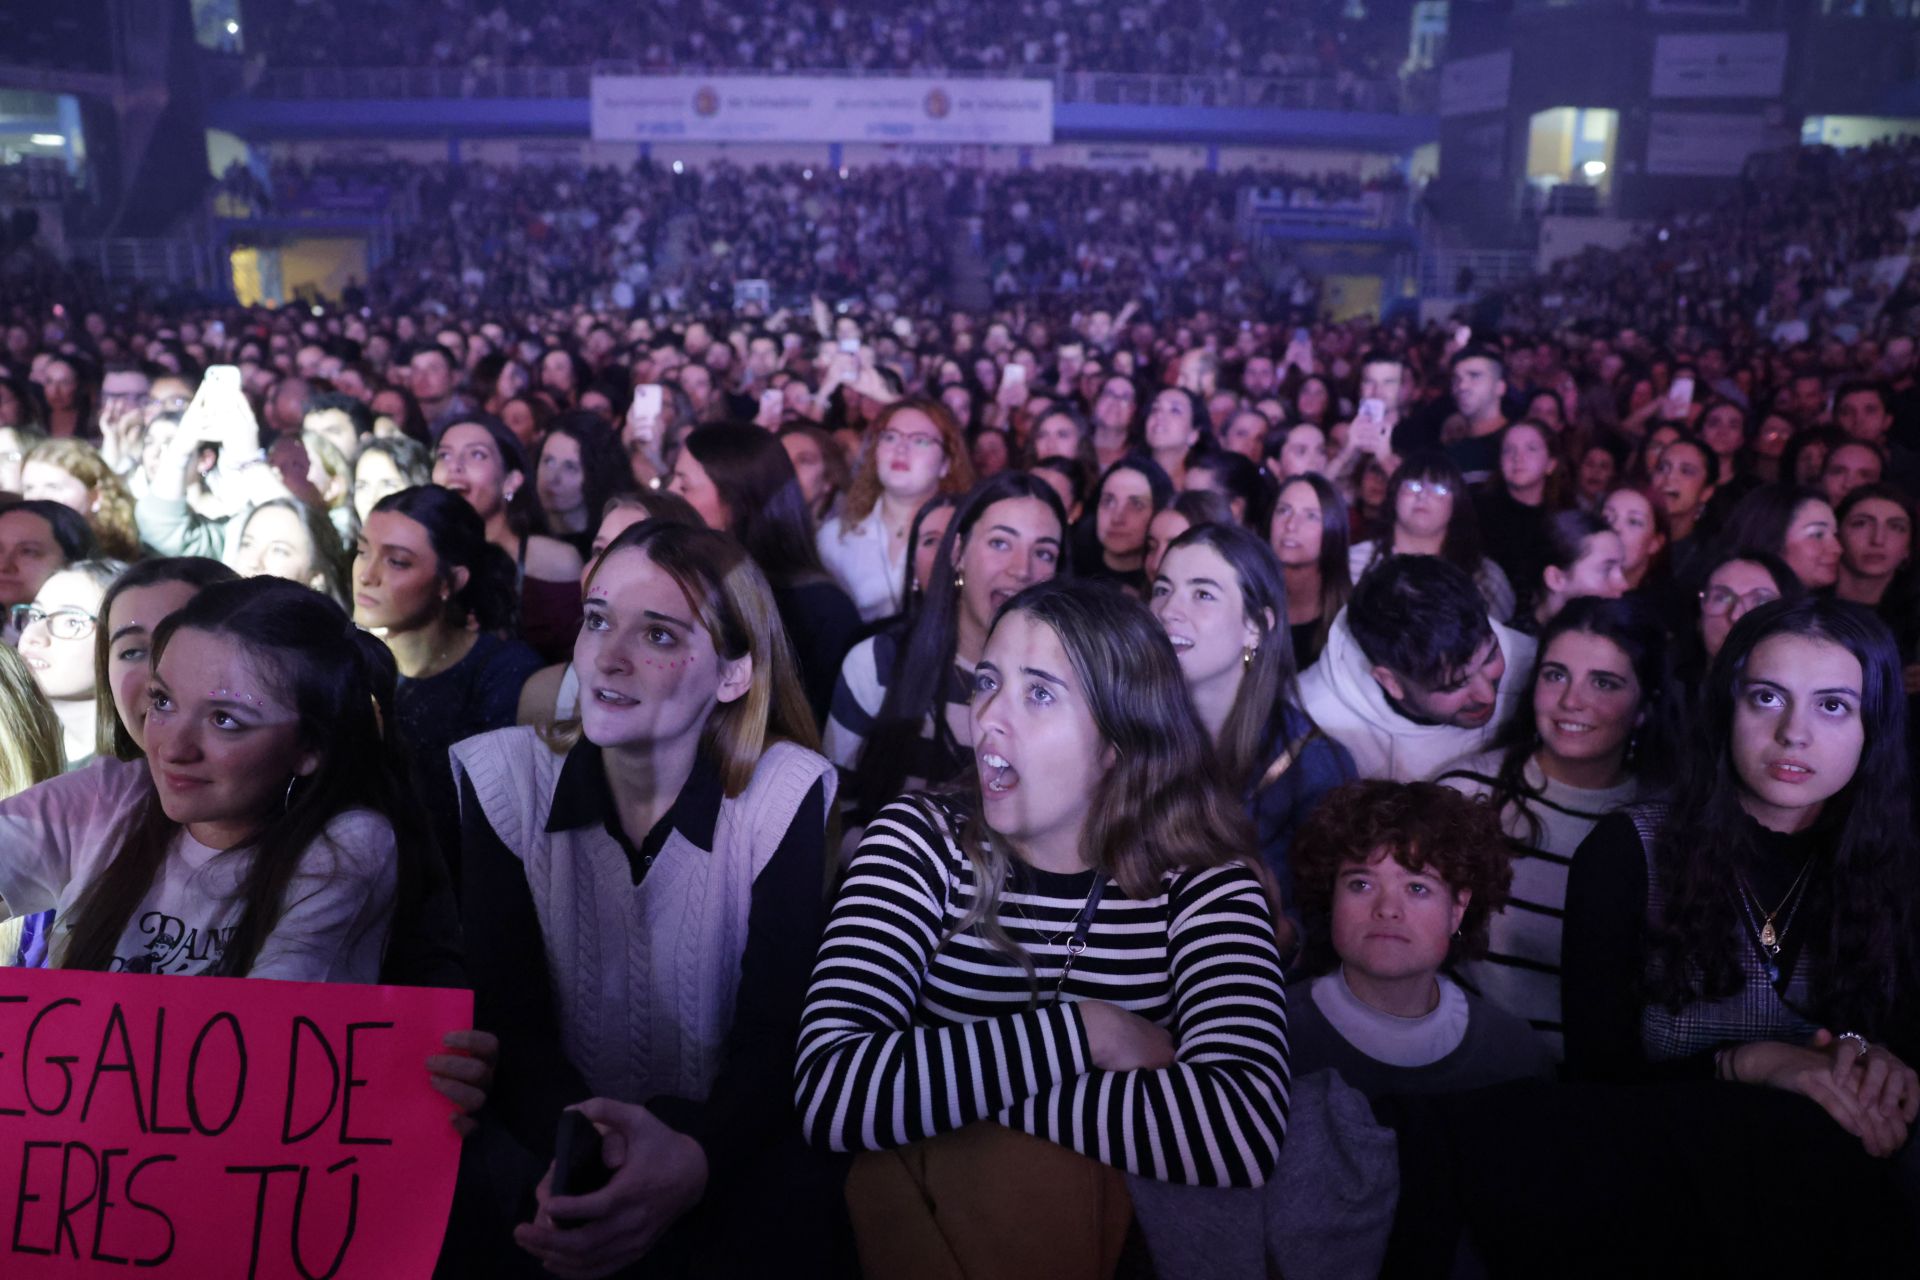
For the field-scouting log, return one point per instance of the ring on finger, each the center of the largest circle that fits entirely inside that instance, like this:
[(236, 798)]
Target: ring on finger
[(1859, 1042)]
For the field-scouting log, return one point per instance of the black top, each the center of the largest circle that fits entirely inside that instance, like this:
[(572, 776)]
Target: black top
[(477, 694), (822, 624), (1604, 942), (750, 1104), (1514, 536)]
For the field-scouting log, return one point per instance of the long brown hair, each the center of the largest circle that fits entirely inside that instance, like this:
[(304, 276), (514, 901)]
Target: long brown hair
[(1269, 676), (731, 598), (1162, 807), (111, 737), (953, 442), (112, 518), (341, 680)]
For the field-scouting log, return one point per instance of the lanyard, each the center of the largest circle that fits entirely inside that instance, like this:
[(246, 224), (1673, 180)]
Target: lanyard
[(1081, 924)]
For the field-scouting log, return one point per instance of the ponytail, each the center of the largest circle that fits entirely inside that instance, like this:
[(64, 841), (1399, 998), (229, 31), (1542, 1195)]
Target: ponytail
[(491, 594)]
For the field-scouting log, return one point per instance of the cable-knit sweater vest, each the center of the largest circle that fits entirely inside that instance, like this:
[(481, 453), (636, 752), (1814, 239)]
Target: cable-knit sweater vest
[(644, 975)]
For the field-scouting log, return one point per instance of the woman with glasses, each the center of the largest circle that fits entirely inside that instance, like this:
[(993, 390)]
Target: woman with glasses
[(1738, 582), (913, 450), (56, 640), (1433, 516)]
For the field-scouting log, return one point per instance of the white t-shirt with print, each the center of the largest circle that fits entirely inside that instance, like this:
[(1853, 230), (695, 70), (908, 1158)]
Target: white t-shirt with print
[(57, 836)]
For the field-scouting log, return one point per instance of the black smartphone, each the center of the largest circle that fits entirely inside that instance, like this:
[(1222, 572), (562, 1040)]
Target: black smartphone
[(577, 1165)]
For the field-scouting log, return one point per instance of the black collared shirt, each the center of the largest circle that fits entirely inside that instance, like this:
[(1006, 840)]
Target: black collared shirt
[(752, 1095), (584, 797)]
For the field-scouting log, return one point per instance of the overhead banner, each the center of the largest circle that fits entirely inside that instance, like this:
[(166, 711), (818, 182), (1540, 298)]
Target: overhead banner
[(1752, 65), (820, 109), (1469, 86), (221, 1127), (1702, 144)]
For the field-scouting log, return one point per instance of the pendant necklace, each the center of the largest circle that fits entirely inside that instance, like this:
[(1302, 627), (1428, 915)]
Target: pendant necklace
[(1769, 936)]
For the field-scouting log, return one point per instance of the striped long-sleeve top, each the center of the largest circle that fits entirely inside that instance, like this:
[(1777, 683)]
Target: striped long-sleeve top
[(1521, 970), (911, 1030)]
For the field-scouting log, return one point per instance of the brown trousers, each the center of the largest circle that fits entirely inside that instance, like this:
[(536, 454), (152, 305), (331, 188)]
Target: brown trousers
[(987, 1203)]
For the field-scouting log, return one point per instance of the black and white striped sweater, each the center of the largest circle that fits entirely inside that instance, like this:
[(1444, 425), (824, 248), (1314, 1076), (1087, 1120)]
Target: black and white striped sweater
[(903, 1037)]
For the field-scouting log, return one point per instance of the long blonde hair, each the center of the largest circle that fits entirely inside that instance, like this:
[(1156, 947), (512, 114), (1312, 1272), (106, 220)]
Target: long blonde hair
[(112, 514), (31, 743), (731, 598)]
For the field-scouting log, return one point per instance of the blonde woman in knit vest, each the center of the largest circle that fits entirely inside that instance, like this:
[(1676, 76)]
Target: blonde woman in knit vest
[(644, 894)]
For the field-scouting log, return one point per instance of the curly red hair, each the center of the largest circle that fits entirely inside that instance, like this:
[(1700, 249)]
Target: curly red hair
[(1423, 826)]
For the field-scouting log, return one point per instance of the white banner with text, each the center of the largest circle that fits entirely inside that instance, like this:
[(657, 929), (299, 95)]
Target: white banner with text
[(820, 109)]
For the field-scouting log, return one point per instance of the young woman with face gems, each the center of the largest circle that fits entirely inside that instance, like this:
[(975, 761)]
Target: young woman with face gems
[(56, 640), (1642, 527), (263, 743), (1072, 943), (1130, 493), (1597, 719), (552, 694), (578, 465), (662, 857), (1176, 424), (1397, 883), (1433, 516), (1309, 535), (1221, 599), (913, 450), (1795, 524), (477, 458), (899, 714), (1760, 926), (439, 595), (1580, 555)]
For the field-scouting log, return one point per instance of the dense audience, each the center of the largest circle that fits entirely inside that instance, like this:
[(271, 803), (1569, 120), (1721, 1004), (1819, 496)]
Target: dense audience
[(998, 775), (884, 237), (1276, 38)]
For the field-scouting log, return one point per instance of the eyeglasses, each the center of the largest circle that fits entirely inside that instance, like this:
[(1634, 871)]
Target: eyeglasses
[(914, 440), (1717, 602), (1438, 488), (62, 624), (1116, 395)]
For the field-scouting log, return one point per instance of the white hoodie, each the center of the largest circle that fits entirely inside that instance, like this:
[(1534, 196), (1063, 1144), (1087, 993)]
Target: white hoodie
[(1350, 707)]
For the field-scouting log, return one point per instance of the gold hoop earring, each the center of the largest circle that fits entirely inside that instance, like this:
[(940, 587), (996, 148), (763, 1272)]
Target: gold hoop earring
[(1246, 656), (959, 579)]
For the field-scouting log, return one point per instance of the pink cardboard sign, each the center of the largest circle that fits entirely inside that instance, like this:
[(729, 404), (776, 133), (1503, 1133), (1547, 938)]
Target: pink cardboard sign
[(216, 1127)]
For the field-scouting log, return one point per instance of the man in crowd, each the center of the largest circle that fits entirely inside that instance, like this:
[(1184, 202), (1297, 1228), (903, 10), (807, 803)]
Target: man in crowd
[(1414, 673)]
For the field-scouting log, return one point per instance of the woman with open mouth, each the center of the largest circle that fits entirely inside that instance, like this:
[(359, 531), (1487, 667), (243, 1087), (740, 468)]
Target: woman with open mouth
[(1070, 946), (899, 716), (1223, 603)]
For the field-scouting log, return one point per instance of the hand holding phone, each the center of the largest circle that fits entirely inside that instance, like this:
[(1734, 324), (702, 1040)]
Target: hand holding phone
[(1680, 394), (578, 1168)]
